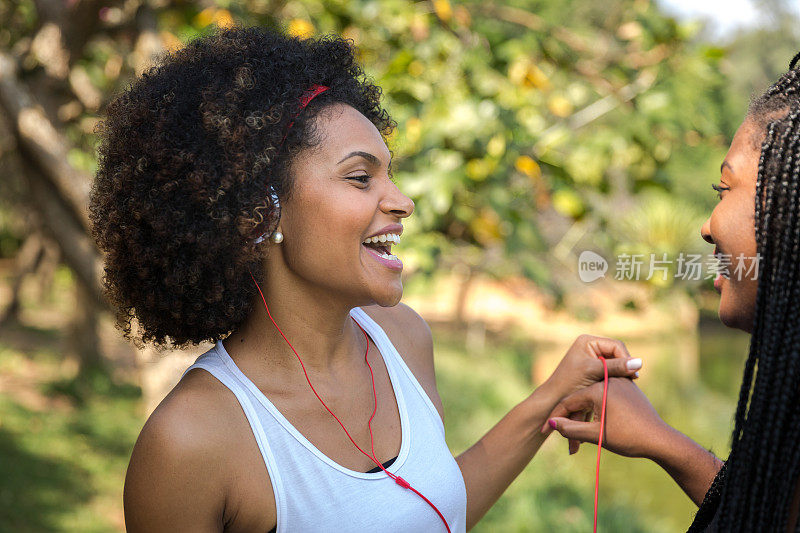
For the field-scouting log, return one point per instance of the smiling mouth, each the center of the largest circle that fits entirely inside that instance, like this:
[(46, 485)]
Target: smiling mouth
[(381, 245), (382, 251)]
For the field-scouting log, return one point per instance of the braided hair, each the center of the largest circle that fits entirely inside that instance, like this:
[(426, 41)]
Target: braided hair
[(754, 490)]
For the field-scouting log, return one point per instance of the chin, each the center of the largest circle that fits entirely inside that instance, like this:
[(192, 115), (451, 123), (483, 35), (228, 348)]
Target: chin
[(389, 298), (736, 319)]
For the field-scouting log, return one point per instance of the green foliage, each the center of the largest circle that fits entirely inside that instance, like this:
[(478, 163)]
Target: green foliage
[(759, 56), (509, 113)]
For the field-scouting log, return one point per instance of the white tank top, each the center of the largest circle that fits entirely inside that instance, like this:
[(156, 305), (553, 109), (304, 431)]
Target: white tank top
[(314, 493)]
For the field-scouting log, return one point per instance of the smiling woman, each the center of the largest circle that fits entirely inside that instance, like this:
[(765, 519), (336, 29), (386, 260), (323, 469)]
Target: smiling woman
[(757, 224), (244, 197), (344, 197), (730, 229)]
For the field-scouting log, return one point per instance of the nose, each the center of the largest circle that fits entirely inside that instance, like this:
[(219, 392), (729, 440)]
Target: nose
[(705, 231), (397, 203)]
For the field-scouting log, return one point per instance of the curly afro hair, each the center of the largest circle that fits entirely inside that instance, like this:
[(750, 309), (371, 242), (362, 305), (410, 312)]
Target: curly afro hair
[(185, 158)]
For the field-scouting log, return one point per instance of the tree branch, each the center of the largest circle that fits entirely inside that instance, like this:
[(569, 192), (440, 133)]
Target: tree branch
[(77, 248), (41, 144)]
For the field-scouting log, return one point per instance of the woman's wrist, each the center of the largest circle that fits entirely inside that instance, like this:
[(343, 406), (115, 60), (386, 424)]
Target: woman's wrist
[(691, 466), (550, 392), (675, 452), (541, 402), (664, 446)]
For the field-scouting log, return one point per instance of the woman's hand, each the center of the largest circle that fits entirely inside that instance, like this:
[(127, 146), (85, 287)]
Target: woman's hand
[(581, 366), (633, 427)]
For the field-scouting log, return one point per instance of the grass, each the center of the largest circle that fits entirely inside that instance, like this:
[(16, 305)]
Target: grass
[(62, 460)]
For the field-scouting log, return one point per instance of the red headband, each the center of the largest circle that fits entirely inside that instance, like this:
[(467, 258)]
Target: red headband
[(309, 95)]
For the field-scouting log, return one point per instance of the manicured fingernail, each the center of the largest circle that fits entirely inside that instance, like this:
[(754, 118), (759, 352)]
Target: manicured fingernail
[(636, 374), (634, 364), (552, 423)]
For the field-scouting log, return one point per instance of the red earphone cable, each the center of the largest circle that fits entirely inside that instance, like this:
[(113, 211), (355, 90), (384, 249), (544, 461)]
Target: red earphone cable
[(397, 479), (600, 438), (400, 481)]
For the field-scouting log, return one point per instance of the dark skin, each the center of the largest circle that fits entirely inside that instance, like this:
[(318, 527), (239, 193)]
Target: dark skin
[(183, 476), (633, 427)]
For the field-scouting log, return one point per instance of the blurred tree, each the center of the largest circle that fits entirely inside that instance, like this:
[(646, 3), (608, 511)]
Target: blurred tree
[(521, 123)]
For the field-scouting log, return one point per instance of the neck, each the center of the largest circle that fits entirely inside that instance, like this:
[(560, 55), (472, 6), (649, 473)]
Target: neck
[(318, 326)]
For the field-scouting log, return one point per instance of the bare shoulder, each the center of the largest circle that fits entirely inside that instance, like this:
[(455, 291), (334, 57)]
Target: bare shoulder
[(412, 337), (177, 478)]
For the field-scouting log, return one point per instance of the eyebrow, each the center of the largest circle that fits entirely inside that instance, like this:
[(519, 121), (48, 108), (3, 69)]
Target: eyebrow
[(725, 164), (369, 157)]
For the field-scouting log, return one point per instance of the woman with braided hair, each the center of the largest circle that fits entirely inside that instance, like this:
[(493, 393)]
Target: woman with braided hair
[(758, 216), (244, 197)]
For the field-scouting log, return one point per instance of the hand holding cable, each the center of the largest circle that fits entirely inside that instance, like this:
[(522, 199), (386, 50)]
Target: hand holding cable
[(631, 428), (581, 366)]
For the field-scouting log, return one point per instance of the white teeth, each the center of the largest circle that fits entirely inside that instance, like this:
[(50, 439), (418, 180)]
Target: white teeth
[(387, 237)]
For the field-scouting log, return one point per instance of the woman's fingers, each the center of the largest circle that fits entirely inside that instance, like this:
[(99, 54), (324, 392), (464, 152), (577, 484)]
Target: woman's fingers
[(608, 348), (578, 402), (577, 430), (582, 365), (619, 360), (574, 445), (620, 368), (571, 415)]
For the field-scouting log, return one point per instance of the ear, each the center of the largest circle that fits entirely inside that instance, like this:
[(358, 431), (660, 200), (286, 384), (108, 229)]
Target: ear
[(273, 217)]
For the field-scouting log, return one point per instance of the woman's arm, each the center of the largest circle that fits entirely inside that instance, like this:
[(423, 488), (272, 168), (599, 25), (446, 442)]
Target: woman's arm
[(179, 474), (691, 466), (491, 464), (167, 486), (170, 485), (634, 429)]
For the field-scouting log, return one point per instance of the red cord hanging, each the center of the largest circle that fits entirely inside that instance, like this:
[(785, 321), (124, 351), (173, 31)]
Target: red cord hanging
[(397, 479), (600, 438)]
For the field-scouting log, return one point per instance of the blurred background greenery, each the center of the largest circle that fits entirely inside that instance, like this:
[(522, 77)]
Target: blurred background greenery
[(528, 131)]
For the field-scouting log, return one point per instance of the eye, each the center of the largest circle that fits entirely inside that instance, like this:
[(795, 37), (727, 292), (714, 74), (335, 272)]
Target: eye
[(362, 178), (719, 189)]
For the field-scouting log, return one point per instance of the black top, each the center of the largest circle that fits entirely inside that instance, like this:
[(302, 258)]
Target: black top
[(387, 464)]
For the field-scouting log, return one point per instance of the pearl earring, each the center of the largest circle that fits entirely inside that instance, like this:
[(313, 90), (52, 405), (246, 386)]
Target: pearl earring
[(276, 237)]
